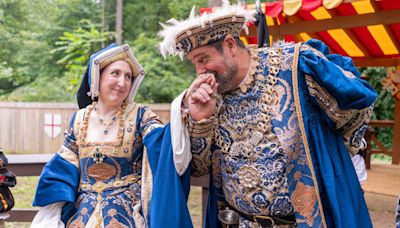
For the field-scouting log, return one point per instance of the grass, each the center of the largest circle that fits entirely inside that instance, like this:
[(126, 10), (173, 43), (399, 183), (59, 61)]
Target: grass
[(24, 191), (23, 194), (381, 158), (195, 206)]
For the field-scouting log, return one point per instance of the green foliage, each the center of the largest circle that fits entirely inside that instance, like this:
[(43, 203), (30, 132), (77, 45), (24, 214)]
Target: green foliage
[(45, 46), (143, 16), (180, 9), (13, 35), (28, 31), (44, 89), (384, 104), (76, 47), (165, 79)]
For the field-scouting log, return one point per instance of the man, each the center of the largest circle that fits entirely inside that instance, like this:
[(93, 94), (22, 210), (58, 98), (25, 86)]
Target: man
[(274, 127)]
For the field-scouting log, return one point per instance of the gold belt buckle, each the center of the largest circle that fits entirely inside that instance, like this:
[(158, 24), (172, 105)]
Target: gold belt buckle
[(264, 217)]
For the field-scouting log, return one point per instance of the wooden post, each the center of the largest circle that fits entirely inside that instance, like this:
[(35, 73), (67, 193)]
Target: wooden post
[(369, 148), (396, 134), (118, 21)]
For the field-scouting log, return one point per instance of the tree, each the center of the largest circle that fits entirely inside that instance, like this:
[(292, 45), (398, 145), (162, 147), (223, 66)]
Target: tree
[(384, 104), (165, 79), (76, 48)]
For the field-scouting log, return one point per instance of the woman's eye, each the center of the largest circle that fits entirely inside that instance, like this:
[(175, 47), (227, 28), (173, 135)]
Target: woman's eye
[(114, 73), (128, 77)]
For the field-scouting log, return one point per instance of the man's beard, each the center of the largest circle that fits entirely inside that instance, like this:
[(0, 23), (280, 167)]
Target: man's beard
[(225, 79)]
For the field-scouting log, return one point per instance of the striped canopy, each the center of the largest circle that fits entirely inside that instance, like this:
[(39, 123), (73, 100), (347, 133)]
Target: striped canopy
[(366, 30)]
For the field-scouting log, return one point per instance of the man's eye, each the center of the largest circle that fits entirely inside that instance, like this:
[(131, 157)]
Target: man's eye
[(203, 60)]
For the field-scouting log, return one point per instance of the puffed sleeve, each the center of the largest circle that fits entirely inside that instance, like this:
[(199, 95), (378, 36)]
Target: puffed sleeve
[(59, 180), (148, 121), (335, 86)]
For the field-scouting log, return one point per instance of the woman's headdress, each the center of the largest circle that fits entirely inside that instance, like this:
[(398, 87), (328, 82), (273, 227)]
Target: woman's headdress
[(89, 89), (180, 37)]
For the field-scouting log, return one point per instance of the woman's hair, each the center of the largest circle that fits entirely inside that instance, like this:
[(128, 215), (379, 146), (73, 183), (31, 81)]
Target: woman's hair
[(126, 60)]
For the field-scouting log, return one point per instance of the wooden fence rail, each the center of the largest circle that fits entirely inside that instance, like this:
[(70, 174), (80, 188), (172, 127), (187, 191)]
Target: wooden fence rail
[(32, 165), (370, 137), (37, 128)]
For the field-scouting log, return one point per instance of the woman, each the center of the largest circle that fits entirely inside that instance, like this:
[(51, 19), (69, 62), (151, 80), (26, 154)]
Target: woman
[(114, 151)]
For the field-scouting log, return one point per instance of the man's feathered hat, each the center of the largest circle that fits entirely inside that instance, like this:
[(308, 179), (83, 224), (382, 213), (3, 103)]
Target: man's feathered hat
[(180, 37)]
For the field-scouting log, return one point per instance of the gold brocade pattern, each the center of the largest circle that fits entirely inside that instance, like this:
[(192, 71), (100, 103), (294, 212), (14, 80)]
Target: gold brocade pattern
[(81, 132), (304, 198), (115, 224), (329, 103), (255, 179), (112, 187), (78, 223), (302, 130), (69, 155), (249, 78)]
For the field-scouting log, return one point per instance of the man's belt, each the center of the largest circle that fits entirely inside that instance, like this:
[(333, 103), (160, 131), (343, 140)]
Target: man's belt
[(267, 221)]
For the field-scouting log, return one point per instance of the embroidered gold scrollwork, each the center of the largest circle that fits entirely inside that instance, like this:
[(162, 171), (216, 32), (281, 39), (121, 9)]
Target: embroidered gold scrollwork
[(249, 177)]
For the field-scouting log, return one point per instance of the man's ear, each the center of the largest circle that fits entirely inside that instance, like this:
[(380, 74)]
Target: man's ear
[(230, 44)]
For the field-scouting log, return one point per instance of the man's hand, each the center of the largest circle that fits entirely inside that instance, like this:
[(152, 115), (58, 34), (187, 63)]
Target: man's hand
[(201, 97)]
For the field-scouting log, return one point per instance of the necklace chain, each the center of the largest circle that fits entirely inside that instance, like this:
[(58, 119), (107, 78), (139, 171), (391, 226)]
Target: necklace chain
[(107, 123)]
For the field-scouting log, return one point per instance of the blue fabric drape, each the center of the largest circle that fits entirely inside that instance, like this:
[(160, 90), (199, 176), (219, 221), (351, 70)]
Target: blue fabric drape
[(168, 206)]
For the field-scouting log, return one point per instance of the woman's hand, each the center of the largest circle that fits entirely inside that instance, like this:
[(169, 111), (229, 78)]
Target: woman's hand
[(201, 97)]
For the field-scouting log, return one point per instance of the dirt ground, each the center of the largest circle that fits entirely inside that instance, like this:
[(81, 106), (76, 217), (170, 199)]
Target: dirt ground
[(381, 209), (381, 192)]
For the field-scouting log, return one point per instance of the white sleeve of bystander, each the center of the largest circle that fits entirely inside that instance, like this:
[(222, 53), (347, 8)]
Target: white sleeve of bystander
[(49, 216), (359, 166)]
